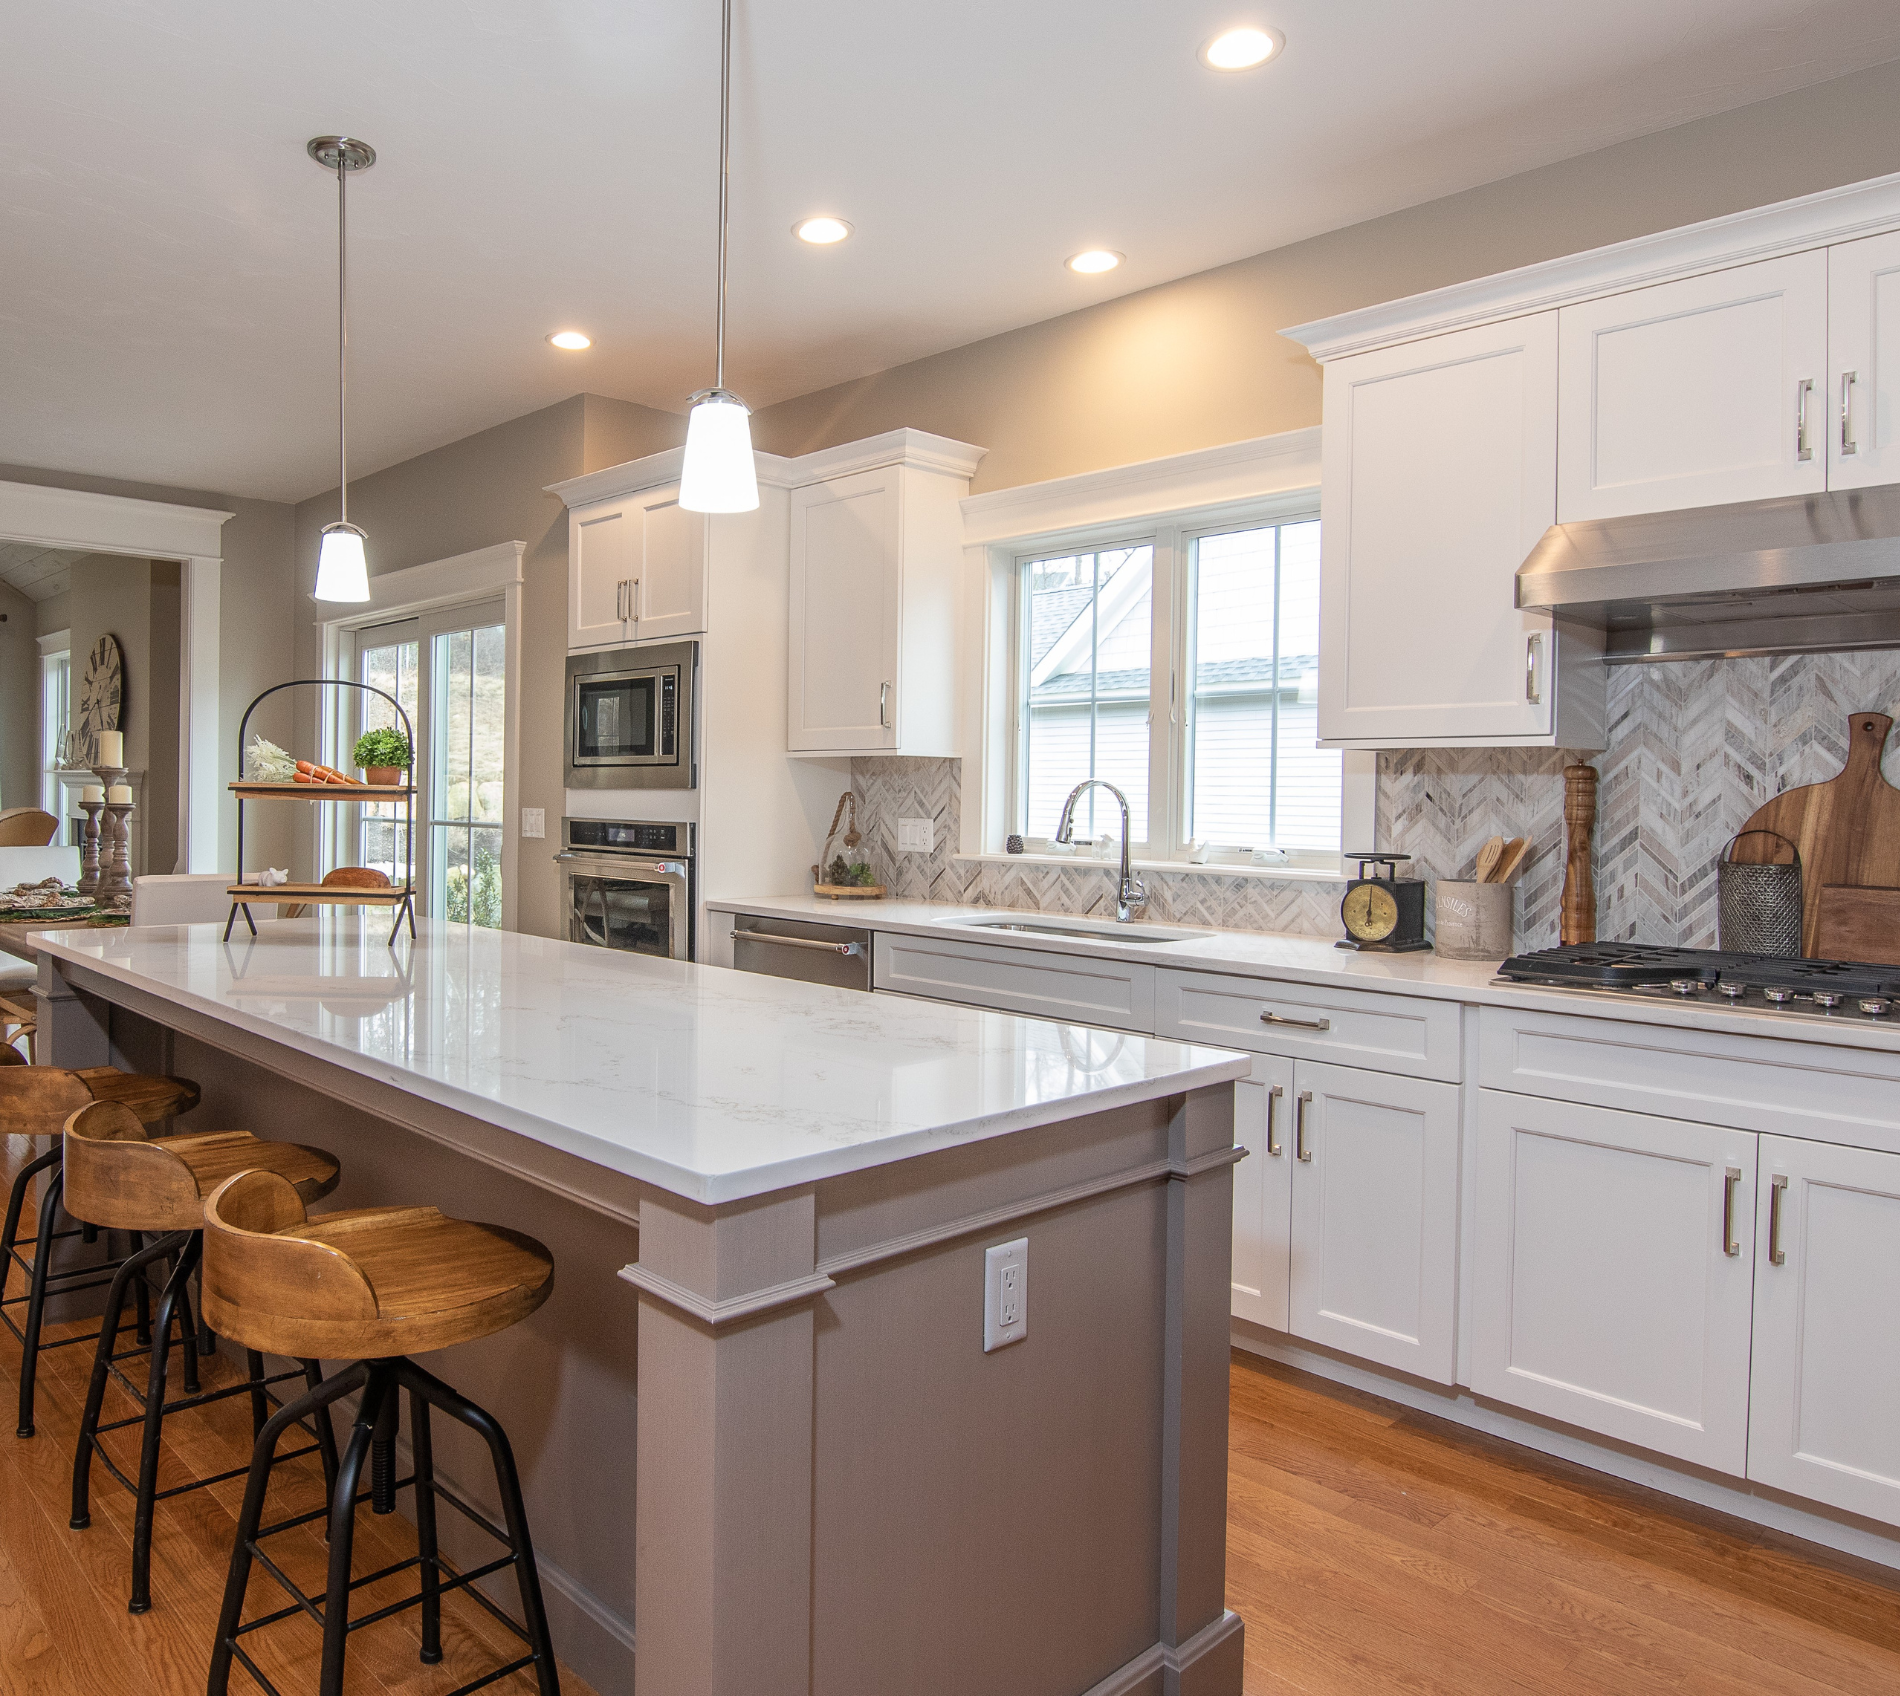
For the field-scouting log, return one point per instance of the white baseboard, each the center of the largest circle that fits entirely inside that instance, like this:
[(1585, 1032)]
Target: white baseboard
[(1768, 1508)]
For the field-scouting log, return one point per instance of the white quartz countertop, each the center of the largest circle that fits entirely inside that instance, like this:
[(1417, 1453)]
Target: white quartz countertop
[(1314, 960), (708, 1083)]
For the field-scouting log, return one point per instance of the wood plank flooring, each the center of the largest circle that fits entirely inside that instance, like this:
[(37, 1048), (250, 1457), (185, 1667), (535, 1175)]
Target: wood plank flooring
[(1374, 1550)]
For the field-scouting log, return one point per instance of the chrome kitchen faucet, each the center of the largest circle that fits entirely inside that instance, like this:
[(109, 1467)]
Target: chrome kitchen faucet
[(1132, 897)]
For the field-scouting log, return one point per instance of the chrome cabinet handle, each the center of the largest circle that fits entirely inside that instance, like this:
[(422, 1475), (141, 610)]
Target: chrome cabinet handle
[(797, 942), (1299, 1024), (633, 599), (1777, 1187), (620, 601), (1532, 646), (1300, 1150), (1273, 1105), (883, 706), (1730, 1179), (1803, 449), (1848, 444)]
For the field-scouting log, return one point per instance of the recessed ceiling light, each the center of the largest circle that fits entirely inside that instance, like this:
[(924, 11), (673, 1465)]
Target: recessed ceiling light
[(1096, 259), (821, 232), (1241, 49), (572, 340)]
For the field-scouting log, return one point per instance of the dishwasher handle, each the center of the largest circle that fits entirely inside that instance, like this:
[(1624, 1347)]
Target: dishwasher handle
[(797, 942)]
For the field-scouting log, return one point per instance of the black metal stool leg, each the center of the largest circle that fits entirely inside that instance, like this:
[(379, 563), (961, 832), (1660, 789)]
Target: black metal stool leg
[(380, 1389), (422, 1454), (142, 1298), (260, 1402), (326, 1432), (16, 1204), (36, 1304), (141, 1601), (132, 1270), (188, 1339)]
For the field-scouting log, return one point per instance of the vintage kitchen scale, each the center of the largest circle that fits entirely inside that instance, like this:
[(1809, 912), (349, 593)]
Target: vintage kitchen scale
[(1383, 913)]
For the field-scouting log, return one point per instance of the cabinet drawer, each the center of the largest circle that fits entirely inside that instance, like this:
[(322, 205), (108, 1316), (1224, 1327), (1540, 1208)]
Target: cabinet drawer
[(1810, 1089), (1409, 1034), (1018, 980)]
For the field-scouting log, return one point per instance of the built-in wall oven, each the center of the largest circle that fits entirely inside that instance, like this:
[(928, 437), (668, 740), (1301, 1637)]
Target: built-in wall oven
[(631, 719), (629, 884)]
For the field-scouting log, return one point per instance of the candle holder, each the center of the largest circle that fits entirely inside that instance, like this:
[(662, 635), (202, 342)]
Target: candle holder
[(89, 850), (114, 891)]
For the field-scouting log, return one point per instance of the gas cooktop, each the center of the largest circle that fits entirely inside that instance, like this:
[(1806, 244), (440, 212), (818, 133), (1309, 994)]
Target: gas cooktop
[(1757, 982)]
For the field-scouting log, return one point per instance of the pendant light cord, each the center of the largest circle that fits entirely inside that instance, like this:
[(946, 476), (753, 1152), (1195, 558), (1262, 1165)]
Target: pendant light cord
[(342, 345), (725, 156)]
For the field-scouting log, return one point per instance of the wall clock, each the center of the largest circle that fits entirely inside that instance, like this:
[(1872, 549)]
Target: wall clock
[(99, 695)]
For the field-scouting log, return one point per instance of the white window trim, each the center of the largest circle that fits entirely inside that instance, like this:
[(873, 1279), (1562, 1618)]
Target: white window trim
[(55, 798), (1268, 481)]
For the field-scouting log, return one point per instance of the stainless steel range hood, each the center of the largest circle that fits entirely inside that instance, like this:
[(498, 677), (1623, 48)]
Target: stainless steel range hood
[(1805, 574)]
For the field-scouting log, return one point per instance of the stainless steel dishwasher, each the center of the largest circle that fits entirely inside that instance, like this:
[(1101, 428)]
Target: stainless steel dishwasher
[(802, 949)]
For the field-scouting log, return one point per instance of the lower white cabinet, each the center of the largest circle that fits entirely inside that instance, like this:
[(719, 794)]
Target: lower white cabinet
[(1374, 1236), (1825, 1385), (1263, 1191), (1072, 988), (1612, 1257)]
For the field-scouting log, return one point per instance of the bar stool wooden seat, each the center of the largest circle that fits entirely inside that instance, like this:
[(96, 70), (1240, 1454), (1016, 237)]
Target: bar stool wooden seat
[(117, 1178), (36, 1101), (371, 1286)]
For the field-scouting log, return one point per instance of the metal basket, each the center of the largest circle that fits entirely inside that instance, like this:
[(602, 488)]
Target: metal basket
[(1759, 907)]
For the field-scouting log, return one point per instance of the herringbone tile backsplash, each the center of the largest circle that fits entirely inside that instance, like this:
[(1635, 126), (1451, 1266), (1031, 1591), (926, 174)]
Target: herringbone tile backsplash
[(1695, 747)]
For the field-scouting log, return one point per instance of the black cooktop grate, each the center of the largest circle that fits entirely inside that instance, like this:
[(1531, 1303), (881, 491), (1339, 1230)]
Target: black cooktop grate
[(1626, 965)]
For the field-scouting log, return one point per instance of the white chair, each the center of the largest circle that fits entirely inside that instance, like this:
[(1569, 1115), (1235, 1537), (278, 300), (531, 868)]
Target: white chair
[(186, 898)]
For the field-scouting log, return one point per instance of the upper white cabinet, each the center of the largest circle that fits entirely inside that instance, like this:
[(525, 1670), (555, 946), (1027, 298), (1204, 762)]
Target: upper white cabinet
[(1696, 392), (1439, 475), (636, 570), (1862, 406), (876, 551)]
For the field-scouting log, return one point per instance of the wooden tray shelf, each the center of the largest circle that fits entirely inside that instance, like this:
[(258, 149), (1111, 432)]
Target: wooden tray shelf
[(322, 791), (256, 895)]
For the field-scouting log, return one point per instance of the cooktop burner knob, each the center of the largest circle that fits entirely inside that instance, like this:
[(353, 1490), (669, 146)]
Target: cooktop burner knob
[(1826, 998), (1779, 996), (1874, 1006), (1685, 986), (1734, 991)]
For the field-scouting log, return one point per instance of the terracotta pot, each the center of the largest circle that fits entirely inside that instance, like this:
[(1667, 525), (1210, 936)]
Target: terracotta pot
[(383, 777)]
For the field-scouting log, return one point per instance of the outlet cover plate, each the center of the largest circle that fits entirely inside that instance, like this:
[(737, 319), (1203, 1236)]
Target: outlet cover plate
[(1005, 1294), (916, 836)]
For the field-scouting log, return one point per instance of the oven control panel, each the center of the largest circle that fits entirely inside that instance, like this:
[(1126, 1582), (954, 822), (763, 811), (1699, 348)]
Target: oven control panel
[(628, 836)]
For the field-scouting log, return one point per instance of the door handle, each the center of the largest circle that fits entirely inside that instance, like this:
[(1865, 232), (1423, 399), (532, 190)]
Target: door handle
[(1532, 693), (1848, 444), (1298, 1024), (1730, 1179), (1803, 448), (883, 706), (1300, 1150), (1777, 1188), (1273, 1106)]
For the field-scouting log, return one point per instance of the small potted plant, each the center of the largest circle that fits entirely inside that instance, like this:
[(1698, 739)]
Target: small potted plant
[(384, 756)]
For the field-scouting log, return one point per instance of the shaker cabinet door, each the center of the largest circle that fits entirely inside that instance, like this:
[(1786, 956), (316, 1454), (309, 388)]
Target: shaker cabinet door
[(1695, 393), (1612, 1255), (846, 607), (669, 594), (1863, 344), (1825, 1386), (603, 551), (1263, 1191)]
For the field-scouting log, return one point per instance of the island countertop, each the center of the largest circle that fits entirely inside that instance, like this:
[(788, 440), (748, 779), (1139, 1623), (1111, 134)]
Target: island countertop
[(712, 1084)]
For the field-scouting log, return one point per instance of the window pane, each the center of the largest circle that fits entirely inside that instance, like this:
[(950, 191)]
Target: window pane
[(1090, 618), (391, 667), (466, 723), (1256, 778)]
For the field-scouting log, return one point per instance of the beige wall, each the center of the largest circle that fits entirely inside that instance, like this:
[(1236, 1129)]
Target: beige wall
[(1198, 362), (19, 700), (485, 489)]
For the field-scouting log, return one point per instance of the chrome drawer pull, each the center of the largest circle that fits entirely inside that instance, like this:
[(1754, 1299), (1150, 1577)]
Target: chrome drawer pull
[(1273, 1106), (1730, 1179), (1298, 1024), (1777, 1188), (1300, 1150), (797, 942)]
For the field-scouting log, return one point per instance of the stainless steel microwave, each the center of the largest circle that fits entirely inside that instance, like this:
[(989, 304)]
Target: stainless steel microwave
[(630, 718)]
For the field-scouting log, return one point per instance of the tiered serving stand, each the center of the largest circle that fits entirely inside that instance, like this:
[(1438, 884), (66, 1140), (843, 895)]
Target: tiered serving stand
[(401, 898)]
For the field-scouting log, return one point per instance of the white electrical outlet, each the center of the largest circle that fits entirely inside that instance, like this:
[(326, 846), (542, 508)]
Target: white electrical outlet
[(916, 836), (1005, 1294), (534, 821)]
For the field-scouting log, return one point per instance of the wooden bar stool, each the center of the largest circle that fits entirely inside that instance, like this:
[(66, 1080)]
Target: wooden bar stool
[(370, 1286), (36, 1101), (118, 1178)]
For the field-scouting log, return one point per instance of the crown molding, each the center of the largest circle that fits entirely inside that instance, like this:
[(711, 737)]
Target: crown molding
[(1740, 238), (109, 524)]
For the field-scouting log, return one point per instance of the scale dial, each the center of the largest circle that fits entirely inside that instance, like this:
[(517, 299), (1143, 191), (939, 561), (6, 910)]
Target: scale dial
[(1369, 912)]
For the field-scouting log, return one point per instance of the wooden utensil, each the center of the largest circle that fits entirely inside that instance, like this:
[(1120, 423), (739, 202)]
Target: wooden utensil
[(1847, 831), (1488, 857), (1857, 923), (1578, 913), (1510, 866)]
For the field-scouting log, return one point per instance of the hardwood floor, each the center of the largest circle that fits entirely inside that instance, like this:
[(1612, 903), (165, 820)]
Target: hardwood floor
[(1372, 1549), (64, 1629)]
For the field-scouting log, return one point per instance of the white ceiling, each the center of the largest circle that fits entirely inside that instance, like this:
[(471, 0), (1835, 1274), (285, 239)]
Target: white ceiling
[(167, 306), (37, 572)]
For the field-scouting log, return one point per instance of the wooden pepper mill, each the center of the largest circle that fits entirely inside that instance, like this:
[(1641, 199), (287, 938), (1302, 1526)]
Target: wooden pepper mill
[(1579, 913)]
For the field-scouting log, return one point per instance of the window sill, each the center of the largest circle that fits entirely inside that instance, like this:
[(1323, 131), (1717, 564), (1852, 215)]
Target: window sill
[(1271, 874)]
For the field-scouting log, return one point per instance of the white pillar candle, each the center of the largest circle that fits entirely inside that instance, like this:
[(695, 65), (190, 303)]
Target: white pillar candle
[(118, 793), (112, 748), (92, 792)]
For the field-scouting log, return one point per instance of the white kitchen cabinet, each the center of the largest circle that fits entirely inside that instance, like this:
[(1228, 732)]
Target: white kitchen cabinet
[(876, 552), (1263, 1192), (636, 570), (1825, 1383), (1439, 474), (1696, 392), (1071, 988), (1374, 1238), (1862, 406), (1611, 1259)]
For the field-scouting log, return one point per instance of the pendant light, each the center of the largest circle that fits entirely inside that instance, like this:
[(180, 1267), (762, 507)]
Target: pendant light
[(342, 570), (718, 475)]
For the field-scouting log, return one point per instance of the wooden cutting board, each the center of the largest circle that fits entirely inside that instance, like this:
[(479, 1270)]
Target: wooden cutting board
[(1847, 831)]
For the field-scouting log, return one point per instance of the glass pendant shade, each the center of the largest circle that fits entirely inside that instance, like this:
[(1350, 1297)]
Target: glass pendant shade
[(718, 475), (342, 571)]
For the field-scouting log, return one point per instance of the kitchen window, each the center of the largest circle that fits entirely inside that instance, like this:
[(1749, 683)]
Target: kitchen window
[(1180, 665)]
